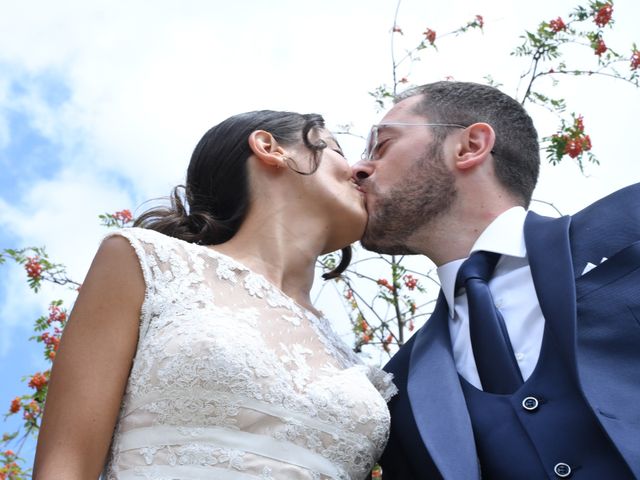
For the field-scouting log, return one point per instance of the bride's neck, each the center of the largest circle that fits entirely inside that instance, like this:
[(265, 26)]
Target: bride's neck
[(284, 258)]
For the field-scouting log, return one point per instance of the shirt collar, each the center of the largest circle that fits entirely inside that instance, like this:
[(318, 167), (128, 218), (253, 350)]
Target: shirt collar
[(505, 235)]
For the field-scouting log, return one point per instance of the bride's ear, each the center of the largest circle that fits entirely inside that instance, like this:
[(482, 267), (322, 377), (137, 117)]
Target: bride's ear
[(267, 149)]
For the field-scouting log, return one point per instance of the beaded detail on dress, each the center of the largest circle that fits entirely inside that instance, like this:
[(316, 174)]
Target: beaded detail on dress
[(234, 380)]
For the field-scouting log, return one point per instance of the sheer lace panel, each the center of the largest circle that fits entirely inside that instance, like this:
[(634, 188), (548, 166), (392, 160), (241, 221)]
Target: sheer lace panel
[(233, 380)]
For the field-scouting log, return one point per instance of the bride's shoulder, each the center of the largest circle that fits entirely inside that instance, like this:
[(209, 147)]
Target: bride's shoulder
[(158, 251), (143, 235), (148, 241)]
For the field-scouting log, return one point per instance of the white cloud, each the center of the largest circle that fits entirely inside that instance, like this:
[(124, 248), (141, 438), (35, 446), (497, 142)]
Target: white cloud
[(145, 81), (61, 213)]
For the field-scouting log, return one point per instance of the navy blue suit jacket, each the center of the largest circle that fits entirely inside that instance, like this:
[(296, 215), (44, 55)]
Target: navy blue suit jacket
[(596, 316)]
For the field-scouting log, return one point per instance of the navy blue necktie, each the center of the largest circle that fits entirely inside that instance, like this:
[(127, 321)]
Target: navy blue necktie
[(497, 366)]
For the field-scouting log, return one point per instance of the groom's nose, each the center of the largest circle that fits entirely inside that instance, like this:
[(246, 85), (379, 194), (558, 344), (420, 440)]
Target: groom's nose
[(361, 170)]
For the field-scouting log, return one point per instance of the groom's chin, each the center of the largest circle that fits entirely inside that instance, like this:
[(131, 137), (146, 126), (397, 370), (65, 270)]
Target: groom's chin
[(379, 244)]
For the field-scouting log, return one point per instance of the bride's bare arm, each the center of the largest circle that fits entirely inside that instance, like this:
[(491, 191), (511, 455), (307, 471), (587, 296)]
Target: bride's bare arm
[(91, 367)]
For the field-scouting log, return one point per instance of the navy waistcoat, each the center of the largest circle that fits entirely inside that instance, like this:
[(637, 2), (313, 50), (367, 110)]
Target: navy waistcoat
[(543, 430)]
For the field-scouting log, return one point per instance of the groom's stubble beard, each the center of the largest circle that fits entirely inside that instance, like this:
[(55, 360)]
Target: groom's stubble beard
[(427, 193)]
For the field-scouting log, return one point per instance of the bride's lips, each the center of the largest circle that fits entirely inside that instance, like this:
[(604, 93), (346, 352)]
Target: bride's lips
[(358, 187), (363, 195)]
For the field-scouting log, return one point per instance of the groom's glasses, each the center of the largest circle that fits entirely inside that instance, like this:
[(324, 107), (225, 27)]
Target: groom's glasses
[(371, 149)]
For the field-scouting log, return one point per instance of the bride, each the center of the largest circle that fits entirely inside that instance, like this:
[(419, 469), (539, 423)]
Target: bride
[(193, 350)]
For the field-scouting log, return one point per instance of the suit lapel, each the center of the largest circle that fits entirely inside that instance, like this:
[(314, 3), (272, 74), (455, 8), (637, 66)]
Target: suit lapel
[(549, 252), (437, 401)]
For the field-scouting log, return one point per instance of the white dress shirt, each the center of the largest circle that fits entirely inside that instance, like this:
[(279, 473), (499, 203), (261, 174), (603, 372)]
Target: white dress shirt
[(513, 293)]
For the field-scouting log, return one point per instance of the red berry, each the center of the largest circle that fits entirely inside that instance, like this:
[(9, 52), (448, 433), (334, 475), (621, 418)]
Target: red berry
[(603, 15), (430, 35), (635, 59), (33, 268), (599, 47), (573, 148), (557, 25), (15, 405), (124, 216), (38, 381), (410, 281)]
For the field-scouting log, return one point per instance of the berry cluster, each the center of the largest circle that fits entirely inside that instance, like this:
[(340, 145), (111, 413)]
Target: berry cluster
[(603, 14), (31, 411), (365, 330), (9, 469), (410, 281), (386, 342), (557, 25), (56, 314), (15, 405), (33, 268), (599, 47), (52, 342), (430, 35), (385, 283), (56, 319), (635, 59), (570, 141), (123, 216), (38, 381)]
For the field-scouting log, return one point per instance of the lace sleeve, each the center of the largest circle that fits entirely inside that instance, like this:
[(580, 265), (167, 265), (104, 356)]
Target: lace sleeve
[(133, 237), (383, 381)]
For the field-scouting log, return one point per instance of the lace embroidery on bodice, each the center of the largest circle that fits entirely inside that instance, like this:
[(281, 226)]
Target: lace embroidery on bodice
[(234, 380)]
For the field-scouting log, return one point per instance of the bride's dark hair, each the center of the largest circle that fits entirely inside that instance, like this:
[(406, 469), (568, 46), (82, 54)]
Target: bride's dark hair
[(213, 203)]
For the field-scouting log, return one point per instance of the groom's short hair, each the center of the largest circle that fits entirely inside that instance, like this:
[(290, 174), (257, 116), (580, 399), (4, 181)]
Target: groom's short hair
[(516, 151)]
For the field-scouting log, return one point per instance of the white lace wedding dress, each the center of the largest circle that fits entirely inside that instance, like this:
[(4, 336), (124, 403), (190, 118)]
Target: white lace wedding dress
[(233, 380)]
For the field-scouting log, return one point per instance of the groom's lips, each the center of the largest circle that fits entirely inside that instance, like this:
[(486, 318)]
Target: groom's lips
[(363, 192)]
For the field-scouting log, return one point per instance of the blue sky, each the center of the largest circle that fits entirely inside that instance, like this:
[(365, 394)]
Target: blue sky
[(102, 103)]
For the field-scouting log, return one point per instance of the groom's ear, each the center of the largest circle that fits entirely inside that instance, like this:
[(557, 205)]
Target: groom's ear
[(266, 149), (475, 146)]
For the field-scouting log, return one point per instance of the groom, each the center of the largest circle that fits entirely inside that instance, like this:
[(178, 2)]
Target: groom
[(529, 366)]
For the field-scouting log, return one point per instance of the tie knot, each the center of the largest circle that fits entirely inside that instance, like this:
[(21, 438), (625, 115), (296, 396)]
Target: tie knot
[(479, 265)]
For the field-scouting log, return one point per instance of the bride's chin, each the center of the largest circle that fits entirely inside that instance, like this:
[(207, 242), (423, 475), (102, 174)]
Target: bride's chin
[(356, 229), (346, 235)]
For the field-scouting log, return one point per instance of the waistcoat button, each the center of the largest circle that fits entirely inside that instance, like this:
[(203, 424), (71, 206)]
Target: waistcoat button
[(562, 470), (530, 404)]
